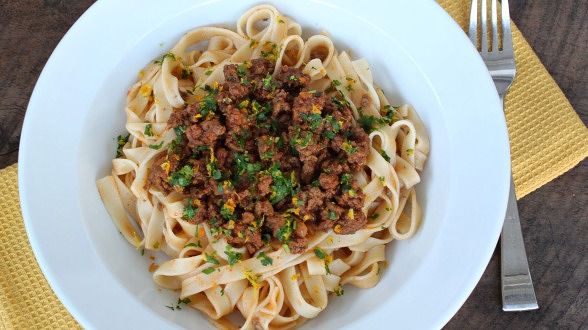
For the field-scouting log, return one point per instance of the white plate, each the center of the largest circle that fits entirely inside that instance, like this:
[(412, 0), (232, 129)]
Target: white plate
[(418, 55)]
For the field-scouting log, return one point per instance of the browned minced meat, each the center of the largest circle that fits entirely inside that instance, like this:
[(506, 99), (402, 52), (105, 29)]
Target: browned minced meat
[(205, 133), (158, 176), (265, 160)]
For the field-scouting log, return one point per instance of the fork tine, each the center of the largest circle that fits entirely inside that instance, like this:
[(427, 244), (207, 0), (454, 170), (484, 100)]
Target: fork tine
[(506, 32), (473, 32), (484, 45), (494, 44)]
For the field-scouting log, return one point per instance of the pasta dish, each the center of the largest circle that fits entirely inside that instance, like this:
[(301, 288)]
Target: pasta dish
[(270, 171)]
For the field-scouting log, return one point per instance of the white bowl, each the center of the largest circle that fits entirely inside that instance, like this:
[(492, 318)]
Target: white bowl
[(418, 55)]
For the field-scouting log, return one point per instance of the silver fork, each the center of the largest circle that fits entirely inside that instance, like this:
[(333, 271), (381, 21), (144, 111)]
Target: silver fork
[(518, 293)]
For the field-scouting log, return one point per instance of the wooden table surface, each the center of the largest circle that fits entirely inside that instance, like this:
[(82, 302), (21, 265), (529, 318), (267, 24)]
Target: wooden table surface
[(554, 218)]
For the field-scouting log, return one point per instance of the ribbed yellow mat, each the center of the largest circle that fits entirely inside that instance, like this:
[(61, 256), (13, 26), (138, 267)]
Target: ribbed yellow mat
[(26, 300), (547, 138)]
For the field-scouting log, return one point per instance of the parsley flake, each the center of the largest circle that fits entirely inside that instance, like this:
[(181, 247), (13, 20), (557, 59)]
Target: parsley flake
[(208, 270), (120, 143), (264, 258), (148, 130), (182, 177), (320, 253), (233, 256), (156, 146)]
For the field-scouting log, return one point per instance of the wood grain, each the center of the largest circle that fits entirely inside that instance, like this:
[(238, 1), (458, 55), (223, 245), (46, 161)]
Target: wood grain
[(554, 218)]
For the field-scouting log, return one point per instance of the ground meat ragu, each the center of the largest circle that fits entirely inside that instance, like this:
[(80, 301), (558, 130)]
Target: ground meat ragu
[(264, 160)]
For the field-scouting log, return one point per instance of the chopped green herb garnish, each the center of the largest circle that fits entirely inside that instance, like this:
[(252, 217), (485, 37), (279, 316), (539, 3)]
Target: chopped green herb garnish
[(302, 141), (196, 245), (208, 270), (208, 72), (346, 182), (266, 155), (335, 127), (242, 70), (339, 291), (268, 83), (182, 177), (320, 253), (148, 130), (284, 233), (208, 105), (120, 143), (186, 73), (243, 104), (156, 146), (266, 238), (329, 134), (241, 138), (340, 102), (333, 215), (184, 301), (179, 303), (348, 148), (215, 231), (374, 216), (371, 123), (170, 55), (270, 51), (189, 212), (233, 256), (228, 213), (385, 155), (216, 173), (314, 120), (180, 132), (282, 185), (279, 142), (265, 260), (243, 165), (368, 123), (211, 259), (261, 113)]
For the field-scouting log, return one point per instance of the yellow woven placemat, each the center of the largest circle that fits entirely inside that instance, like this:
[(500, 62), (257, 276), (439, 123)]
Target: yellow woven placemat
[(26, 300), (547, 139)]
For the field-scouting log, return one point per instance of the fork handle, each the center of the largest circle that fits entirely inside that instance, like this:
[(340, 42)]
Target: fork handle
[(518, 293)]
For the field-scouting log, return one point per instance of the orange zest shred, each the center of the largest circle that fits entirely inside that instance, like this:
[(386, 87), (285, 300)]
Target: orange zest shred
[(146, 90), (165, 166), (153, 267)]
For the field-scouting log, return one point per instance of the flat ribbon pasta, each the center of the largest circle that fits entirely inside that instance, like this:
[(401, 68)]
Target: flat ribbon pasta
[(272, 289)]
